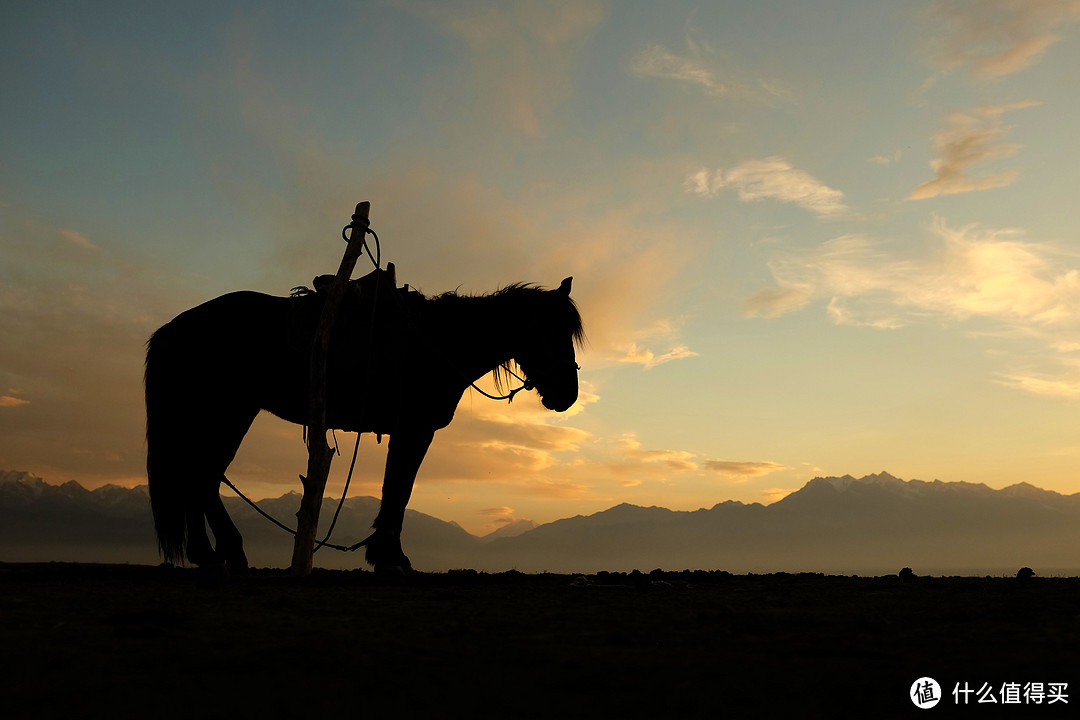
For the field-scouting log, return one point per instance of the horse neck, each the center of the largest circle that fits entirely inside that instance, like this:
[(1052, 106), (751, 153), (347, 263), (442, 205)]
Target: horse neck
[(476, 334)]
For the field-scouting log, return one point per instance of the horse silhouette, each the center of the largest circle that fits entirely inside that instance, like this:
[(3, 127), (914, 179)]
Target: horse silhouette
[(398, 365)]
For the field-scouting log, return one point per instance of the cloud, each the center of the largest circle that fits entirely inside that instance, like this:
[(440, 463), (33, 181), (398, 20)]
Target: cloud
[(743, 471), (1021, 288), (975, 272), (993, 39), (77, 239), (890, 159), (497, 512), (9, 401), (774, 494), (649, 359), (774, 302), (655, 61), (1061, 388), (498, 515), (677, 460), (969, 139), (697, 70), (772, 178), (520, 55)]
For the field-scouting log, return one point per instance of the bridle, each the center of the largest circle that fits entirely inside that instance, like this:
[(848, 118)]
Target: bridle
[(525, 383)]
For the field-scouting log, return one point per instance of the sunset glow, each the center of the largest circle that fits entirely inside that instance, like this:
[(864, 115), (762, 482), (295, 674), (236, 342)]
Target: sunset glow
[(807, 238)]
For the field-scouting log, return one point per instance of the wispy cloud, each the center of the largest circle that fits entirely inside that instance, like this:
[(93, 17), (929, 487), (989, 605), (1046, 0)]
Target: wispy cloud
[(890, 159), (773, 178), (699, 69), (774, 302), (497, 512), (773, 494), (742, 471), (677, 460), (655, 61), (77, 239), (649, 359), (969, 139), (996, 38), (976, 272), (1068, 388), (1025, 289), (498, 516), (521, 54)]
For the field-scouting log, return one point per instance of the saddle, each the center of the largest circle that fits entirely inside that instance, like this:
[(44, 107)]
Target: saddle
[(369, 286), (370, 302)]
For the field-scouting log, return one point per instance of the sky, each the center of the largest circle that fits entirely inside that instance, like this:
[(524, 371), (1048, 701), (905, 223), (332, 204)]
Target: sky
[(807, 238)]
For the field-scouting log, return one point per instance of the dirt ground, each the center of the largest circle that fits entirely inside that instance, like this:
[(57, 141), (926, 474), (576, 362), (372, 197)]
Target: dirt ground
[(127, 641)]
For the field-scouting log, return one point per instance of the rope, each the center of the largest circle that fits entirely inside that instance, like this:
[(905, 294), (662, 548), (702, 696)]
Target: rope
[(273, 519), (376, 258), (509, 397), (341, 502)]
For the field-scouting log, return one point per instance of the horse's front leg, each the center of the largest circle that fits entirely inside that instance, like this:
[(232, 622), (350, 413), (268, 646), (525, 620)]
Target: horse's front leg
[(403, 457)]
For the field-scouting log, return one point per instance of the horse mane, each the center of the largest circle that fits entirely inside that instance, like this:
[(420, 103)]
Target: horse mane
[(517, 298)]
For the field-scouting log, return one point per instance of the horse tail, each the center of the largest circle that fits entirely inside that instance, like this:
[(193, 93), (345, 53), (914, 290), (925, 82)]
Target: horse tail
[(164, 465)]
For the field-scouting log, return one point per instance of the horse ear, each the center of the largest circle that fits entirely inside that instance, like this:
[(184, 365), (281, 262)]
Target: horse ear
[(565, 287)]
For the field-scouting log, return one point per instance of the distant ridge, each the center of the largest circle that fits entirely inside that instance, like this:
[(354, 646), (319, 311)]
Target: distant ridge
[(44, 522), (870, 525), (510, 529)]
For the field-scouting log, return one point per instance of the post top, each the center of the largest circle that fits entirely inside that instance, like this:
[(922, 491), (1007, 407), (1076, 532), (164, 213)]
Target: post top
[(362, 211)]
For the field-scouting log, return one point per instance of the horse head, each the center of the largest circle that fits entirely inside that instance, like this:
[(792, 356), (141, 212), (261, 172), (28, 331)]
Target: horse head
[(546, 354)]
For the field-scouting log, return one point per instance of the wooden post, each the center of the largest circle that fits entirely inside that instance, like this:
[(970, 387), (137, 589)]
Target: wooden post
[(319, 452)]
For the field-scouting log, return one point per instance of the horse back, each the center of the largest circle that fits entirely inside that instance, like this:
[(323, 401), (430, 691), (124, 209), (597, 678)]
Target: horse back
[(255, 349)]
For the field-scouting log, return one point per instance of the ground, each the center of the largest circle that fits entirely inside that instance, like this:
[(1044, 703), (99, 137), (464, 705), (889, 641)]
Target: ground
[(158, 642)]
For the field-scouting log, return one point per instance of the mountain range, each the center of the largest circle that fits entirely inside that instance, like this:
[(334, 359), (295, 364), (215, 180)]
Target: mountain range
[(876, 524)]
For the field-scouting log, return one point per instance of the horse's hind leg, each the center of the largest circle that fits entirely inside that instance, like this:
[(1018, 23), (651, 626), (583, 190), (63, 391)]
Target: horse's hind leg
[(199, 550), (230, 544)]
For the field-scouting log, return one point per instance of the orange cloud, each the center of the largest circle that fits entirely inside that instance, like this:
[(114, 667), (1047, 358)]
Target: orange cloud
[(1068, 388), (743, 471), (1028, 289), (498, 513), (996, 38), (975, 272), (773, 494), (649, 359), (970, 139), (676, 460), (772, 178)]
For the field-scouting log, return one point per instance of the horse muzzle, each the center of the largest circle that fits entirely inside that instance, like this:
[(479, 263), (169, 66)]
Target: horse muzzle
[(556, 383), (559, 396)]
